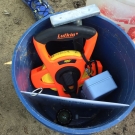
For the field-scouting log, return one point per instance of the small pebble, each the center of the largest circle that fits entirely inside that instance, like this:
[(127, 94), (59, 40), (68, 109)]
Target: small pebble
[(5, 12)]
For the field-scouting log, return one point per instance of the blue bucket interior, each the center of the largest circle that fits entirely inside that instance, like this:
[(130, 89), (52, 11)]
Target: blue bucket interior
[(116, 52)]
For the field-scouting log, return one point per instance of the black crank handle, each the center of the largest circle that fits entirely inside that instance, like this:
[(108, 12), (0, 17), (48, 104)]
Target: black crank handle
[(65, 33)]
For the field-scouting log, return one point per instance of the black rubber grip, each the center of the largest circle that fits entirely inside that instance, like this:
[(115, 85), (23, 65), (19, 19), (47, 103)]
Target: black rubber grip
[(65, 33)]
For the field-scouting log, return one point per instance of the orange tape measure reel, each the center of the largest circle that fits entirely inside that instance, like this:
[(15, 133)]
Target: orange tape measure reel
[(64, 71)]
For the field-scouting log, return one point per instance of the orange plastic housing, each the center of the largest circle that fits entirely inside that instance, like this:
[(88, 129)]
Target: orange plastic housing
[(52, 65)]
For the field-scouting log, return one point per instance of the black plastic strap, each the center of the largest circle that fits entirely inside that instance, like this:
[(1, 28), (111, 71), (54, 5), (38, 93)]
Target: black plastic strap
[(85, 59), (89, 63), (78, 44)]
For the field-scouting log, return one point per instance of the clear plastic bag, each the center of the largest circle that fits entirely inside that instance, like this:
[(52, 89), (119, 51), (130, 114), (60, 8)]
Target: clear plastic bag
[(121, 12)]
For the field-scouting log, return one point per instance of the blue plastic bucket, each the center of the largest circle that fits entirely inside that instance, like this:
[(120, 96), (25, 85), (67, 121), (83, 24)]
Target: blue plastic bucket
[(116, 52)]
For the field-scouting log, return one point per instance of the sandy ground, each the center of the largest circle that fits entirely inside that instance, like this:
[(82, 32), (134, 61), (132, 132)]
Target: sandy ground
[(14, 118)]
